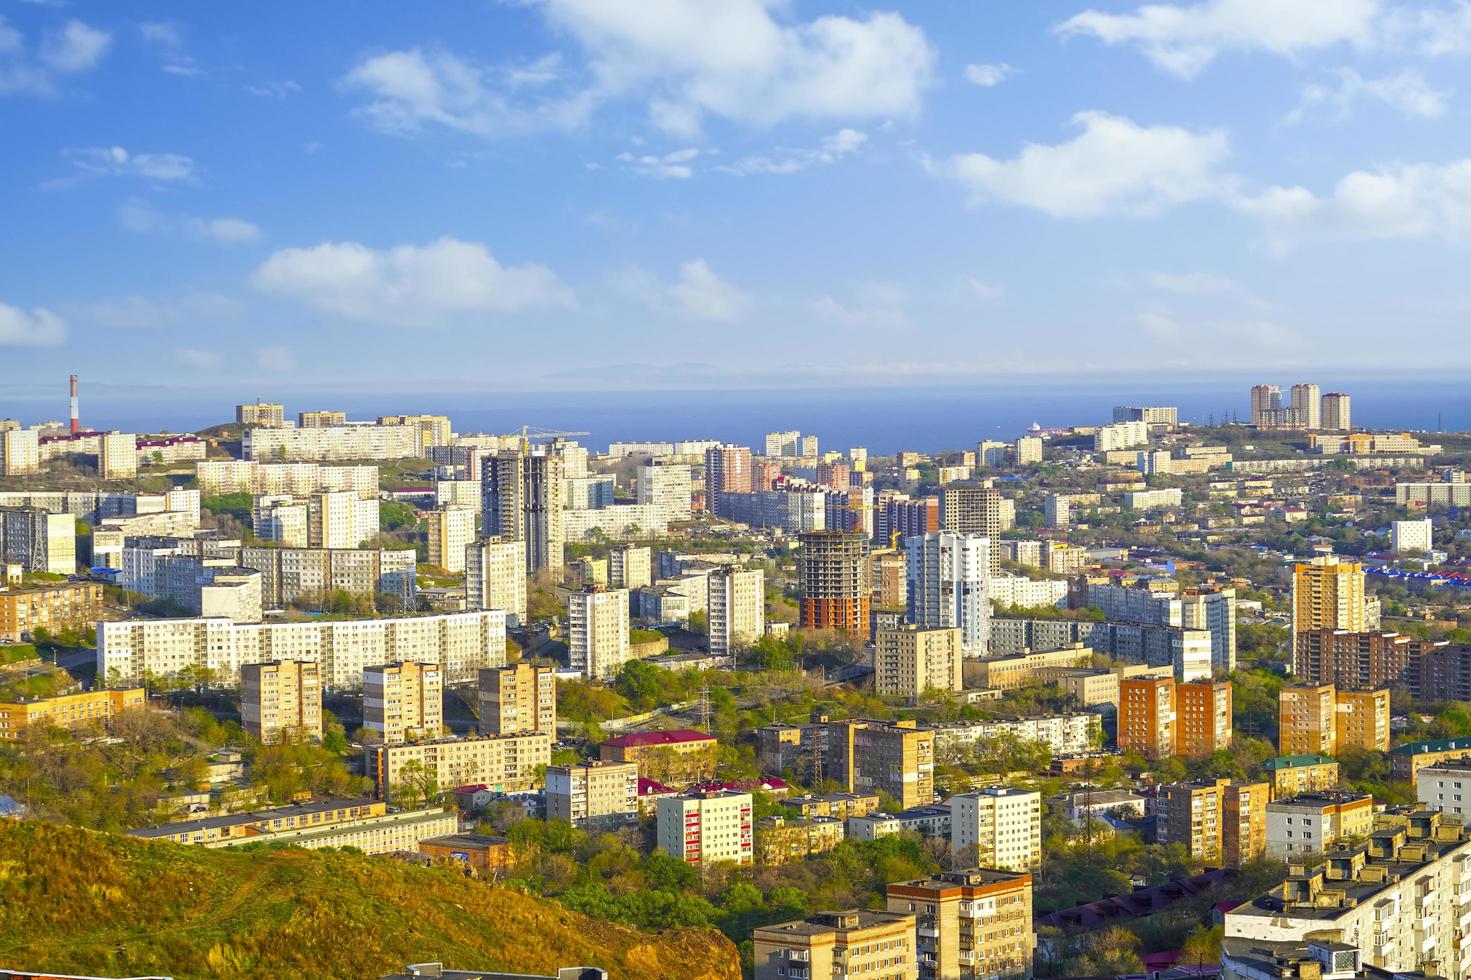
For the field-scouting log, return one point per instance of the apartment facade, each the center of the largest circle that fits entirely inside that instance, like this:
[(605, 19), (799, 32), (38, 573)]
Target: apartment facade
[(1310, 823), (518, 698), (69, 711), (736, 608), (38, 540), (998, 827), (450, 531), (1290, 775), (949, 585), (1321, 719), (301, 574), (1159, 717), (875, 756), (910, 660), (404, 701), (524, 495), (367, 826), (707, 827), (1328, 594), (593, 795), (495, 577), (282, 698), (505, 763), (598, 632), (680, 755), (52, 607), (971, 925), (835, 586), (337, 442), (854, 945)]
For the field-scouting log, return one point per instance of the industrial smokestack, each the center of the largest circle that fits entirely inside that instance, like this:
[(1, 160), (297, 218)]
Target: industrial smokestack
[(76, 416)]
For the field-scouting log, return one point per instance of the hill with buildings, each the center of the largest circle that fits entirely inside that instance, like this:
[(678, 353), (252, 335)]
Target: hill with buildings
[(78, 901)]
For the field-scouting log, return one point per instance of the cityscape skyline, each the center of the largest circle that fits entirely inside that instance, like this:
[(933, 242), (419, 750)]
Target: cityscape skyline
[(614, 196)]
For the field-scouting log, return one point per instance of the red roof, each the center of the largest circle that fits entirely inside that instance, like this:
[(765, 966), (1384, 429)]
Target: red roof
[(768, 783), (675, 736), (470, 788), (652, 787)]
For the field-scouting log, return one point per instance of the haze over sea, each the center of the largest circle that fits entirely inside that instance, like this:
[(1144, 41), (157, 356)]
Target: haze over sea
[(882, 419)]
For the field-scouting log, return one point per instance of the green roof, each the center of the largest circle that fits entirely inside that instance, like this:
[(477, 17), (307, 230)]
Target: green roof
[(1434, 745), (1294, 761)]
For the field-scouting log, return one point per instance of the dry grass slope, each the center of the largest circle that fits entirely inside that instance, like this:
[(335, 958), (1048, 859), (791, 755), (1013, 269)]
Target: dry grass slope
[(77, 901)]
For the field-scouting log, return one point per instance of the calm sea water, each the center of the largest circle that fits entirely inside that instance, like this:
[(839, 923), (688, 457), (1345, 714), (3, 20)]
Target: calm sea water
[(883, 420)]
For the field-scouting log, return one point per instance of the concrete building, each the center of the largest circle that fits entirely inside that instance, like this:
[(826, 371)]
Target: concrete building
[(1310, 823), (50, 606), (997, 827), (1407, 760), (874, 756), (598, 632), (338, 442), (1244, 823), (1321, 720), (321, 419), (593, 795), (1408, 536), (280, 520), (38, 540), (852, 945), (680, 755), (735, 607), (706, 827), (1307, 402), (282, 698), (1120, 435), (450, 532), (519, 698), (667, 486), (1265, 400), (1159, 717), (1337, 412), (504, 763), (1192, 815), (781, 839), (495, 577), (1202, 718), (365, 825), (340, 519), (630, 566), (259, 413), (971, 925), (1058, 510), (911, 660), (74, 712), (1290, 775), (1328, 594), (222, 476), (1445, 788), (949, 586), (524, 501), (975, 508), (404, 702), (117, 456), (461, 643), (727, 471), (20, 452), (290, 575), (835, 586)]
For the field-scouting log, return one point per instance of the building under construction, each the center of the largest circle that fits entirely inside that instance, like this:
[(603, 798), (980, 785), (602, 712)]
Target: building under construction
[(835, 580)]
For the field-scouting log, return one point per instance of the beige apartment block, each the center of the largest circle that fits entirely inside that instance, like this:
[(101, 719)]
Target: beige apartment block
[(282, 698)]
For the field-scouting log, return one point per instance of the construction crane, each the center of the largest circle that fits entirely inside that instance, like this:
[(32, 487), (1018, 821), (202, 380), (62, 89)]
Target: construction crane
[(530, 432)]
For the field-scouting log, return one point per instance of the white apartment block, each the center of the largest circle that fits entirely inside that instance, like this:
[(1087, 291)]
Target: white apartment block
[(461, 643), (39, 540), (1445, 787), (220, 476), (1027, 593), (620, 522), (593, 795), (666, 486), (336, 442), (1412, 535), (702, 828), (998, 827), (949, 585), (117, 456), (495, 577), (1058, 510), (458, 493), (1154, 499), (736, 608), (280, 520), (1062, 734), (288, 574), (339, 518), (1120, 435), (598, 627), (630, 566), (504, 763), (20, 452), (451, 529)]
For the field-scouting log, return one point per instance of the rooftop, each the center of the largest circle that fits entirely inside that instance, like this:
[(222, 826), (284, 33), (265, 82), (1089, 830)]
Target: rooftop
[(1296, 761), (826, 922), (675, 736), (248, 817), (1434, 745)]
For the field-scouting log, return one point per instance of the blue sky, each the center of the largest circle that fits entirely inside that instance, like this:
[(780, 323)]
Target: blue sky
[(581, 193)]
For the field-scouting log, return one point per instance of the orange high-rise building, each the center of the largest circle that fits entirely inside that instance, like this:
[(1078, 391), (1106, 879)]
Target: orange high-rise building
[(1147, 715), (1202, 718)]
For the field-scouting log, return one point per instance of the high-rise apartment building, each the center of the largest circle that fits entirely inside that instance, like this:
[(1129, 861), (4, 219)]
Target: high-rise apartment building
[(1417, 535), (340, 519), (524, 498), (949, 585), (706, 827), (997, 827), (321, 419), (1337, 412), (450, 531), (280, 520), (259, 413), (1265, 400), (595, 796), (910, 660), (404, 701), (630, 566), (727, 470), (667, 486), (1328, 593), (1244, 822), (835, 586), (281, 698), (1362, 720), (1058, 510), (1192, 815), (38, 540), (1159, 717), (736, 608), (1202, 718), (1028, 450), (783, 443), (598, 628), (971, 925), (516, 699), (1307, 402), (853, 945), (495, 577), (117, 456), (20, 452), (1322, 720), (1214, 610), (875, 756), (975, 508)]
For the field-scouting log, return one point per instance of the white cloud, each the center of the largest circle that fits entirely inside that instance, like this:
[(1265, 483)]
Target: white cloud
[(38, 328), (1407, 92), (275, 359), (789, 161), (1184, 38), (115, 161), (980, 289), (988, 76), (734, 59), (675, 165), (407, 284), (1192, 283), (274, 90), (411, 89), (1115, 166), (137, 215), (199, 360), (1404, 201), (877, 305), (136, 312), (76, 48), (160, 32), (701, 294)]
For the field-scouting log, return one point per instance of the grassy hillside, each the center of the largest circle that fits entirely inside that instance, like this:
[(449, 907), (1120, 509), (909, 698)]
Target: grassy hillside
[(78, 901)]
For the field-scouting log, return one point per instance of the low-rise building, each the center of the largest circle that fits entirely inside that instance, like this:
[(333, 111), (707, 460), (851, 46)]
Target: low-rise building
[(505, 764), (1303, 826), (1406, 761), (483, 854), (841, 806), (50, 607), (593, 795), (680, 755), (857, 944), (364, 824), (1290, 775), (1445, 788), (783, 839), (70, 711)]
